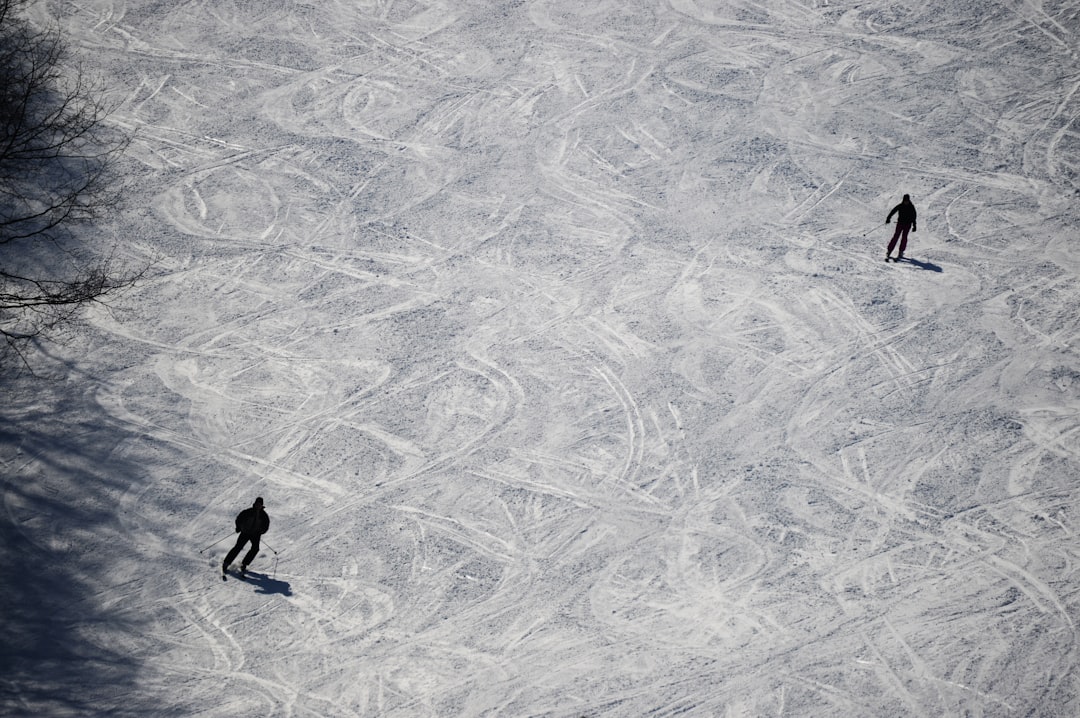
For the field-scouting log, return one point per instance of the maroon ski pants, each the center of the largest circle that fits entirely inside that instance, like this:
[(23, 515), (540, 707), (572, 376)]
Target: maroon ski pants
[(900, 234)]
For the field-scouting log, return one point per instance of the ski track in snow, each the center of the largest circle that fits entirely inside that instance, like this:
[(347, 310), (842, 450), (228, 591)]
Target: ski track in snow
[(556, 336)]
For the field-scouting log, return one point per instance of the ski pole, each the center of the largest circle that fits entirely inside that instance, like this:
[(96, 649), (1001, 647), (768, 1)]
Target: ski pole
[(215, 543), (270, 547), (871, 230)]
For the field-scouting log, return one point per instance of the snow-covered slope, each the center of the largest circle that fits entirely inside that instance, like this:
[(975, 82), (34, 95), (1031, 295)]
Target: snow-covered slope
[(557, 337)]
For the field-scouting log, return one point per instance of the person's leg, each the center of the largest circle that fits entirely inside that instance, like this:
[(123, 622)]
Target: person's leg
[(235, 550), (252, 553), (892, 242), (903, 230)]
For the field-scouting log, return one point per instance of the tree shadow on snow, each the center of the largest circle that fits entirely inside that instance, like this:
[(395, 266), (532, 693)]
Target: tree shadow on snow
[(70, 639)]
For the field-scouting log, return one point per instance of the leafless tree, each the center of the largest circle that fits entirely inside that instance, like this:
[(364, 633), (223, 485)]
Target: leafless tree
[(56, 157)]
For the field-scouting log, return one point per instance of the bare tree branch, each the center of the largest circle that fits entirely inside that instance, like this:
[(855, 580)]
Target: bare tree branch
[(56, 169)]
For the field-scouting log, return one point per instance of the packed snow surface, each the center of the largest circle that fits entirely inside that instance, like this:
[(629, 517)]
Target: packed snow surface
[(557, 337)]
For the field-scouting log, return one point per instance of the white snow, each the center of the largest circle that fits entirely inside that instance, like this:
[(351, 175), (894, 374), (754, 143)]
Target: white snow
[(557, 337)]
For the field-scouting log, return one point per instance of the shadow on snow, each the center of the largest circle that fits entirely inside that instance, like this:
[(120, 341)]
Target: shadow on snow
[(929, 266), (63, 470), (267, 585)]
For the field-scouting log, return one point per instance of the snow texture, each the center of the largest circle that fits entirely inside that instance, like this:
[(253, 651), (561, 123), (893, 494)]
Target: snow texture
[(557, 337)]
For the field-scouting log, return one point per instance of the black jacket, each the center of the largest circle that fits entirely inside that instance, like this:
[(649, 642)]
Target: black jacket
[(252, 521), (905, 214)]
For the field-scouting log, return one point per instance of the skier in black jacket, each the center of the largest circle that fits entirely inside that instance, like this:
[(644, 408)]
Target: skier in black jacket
[(251, 524), (905, 220)]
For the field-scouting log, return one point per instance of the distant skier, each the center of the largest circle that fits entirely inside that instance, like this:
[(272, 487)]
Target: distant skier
[(905, 220), (251, 524)]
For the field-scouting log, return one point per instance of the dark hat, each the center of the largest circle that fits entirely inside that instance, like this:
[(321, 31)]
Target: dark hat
[(258, 501)]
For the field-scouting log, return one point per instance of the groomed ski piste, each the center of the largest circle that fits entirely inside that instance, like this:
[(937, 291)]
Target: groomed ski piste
[(558, 339)]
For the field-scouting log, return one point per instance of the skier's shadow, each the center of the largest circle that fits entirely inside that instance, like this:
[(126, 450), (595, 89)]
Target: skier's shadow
[(922, 265), (267, 585)]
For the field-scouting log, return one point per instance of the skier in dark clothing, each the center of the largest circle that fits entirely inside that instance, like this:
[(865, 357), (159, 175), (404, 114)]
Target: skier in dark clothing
[(905, 220), (251, 524)]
